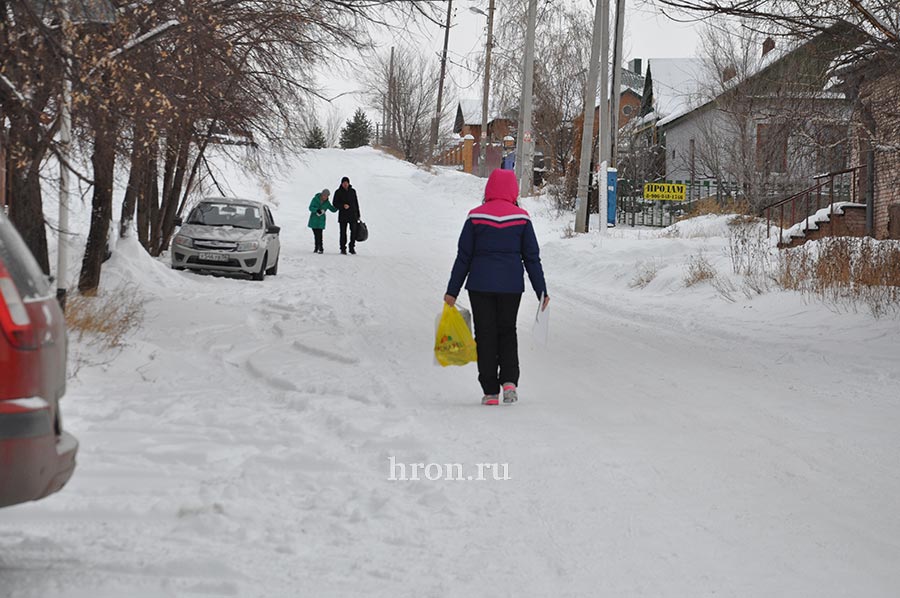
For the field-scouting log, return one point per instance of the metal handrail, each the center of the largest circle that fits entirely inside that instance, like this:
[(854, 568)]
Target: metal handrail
[(826, 184)]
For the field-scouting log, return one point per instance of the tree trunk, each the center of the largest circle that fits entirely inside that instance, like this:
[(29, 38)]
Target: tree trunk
[(169, 167), (136, 183), (26, 151), (103, 161), (172, 194), (148, 197)]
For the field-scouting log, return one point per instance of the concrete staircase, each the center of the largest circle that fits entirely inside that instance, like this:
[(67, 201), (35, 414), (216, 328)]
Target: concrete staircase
[(842, 220)]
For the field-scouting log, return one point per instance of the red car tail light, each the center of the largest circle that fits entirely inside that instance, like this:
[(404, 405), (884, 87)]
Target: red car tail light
[(14, 320)]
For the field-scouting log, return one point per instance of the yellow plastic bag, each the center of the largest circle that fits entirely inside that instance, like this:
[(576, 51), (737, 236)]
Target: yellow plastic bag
[(453, 342)]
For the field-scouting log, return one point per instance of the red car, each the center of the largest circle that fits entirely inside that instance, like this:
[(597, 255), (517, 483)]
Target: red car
[(36, 457)]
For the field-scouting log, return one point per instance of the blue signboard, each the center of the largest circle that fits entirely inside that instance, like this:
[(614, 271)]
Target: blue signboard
[(612, 176)]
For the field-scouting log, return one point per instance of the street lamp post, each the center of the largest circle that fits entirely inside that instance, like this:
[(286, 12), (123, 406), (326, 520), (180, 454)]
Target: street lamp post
[(485, 97)]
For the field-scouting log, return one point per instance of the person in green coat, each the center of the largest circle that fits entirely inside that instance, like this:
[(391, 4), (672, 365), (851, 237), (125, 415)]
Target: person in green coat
[(317, 208)]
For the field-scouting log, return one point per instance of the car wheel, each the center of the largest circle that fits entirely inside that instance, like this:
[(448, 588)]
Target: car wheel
[(174, 267), (261, 275), (274, 269)]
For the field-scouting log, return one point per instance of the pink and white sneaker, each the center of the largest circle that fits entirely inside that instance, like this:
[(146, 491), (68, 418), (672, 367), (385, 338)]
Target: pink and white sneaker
[(509, 393), (490, 400)]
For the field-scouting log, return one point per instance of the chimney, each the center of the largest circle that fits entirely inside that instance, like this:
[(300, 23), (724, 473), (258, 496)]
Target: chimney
[(768, 45), (634, 65)]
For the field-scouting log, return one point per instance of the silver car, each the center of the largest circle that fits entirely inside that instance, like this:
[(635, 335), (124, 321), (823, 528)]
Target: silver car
[(228, 235)]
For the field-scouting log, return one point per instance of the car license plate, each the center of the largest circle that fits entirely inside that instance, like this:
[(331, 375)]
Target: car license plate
[(213, 257)]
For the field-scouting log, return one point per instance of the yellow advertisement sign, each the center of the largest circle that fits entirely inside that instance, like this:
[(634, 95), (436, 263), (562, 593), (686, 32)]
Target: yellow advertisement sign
[(665, 191)]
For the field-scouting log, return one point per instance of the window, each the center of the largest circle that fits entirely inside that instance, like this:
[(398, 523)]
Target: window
[(831, 147), (209, 213), (771, 147)]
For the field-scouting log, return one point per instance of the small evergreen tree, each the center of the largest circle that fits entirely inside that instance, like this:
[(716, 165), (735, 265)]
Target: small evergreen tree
[(315, 138), (357, 131), (647, 96)]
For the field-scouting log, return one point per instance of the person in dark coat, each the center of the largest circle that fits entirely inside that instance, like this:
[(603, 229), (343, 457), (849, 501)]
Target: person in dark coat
[(496, 247), (346, 202)]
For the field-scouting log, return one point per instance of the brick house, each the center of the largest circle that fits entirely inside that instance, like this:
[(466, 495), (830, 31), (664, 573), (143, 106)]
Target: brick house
[(629, 106), (468, 122), (874, 85)]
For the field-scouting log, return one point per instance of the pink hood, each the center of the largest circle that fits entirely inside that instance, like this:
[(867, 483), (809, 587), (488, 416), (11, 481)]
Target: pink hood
[(502, 184)]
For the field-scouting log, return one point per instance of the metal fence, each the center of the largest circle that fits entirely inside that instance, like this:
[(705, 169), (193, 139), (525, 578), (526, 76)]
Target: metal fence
[(633, 210)]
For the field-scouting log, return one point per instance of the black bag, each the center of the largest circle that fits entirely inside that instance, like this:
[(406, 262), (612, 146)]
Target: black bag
[(362, 231)]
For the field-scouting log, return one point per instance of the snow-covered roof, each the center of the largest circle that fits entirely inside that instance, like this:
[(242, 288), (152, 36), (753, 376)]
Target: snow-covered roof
[(677, 85), (633, 81), (699, 96), (471, 112), (765, 62)]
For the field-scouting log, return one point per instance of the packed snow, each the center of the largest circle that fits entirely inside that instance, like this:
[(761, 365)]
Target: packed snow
[(668, 441)]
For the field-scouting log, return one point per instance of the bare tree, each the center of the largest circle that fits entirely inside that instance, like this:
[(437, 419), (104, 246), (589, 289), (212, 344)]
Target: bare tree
[(559, 82), (30, 72), (413, 96), (877, 20), (562, 51)]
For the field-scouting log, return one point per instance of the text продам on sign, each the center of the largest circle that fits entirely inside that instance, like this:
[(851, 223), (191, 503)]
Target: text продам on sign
[(664, 191)]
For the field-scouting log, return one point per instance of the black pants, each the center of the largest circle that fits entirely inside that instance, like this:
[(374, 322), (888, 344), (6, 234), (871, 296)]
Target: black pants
[(344, 226), (317, 233), (495, 334)]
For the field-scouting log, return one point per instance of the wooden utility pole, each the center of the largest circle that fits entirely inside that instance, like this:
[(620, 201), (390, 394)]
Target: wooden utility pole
[(391, 100), (437, 114), (485, 96)]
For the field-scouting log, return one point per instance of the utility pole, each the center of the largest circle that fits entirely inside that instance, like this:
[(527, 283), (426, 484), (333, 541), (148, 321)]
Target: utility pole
[(65, 144), (603, 138), (485, 96), (603, 133), (526, 157), (587, 135), (616, 93), (437, 115)]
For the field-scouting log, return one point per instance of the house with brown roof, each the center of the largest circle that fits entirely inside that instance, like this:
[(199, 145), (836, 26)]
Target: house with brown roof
[(468, 122)]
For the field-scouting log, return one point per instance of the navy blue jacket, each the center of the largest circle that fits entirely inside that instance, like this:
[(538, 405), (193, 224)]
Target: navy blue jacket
[(496, 246)]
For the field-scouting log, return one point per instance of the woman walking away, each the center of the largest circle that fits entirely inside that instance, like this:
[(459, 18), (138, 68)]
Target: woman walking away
[(317, 208), (496, 240)]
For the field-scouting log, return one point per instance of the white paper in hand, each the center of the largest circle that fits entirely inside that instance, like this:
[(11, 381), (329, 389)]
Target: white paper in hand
[(541, 328)]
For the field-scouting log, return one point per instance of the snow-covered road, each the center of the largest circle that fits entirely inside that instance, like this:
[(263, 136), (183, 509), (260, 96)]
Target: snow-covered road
[(666, 444)]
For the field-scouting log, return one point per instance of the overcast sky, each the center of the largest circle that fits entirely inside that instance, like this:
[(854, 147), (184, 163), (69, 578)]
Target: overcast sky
[(648, 34)]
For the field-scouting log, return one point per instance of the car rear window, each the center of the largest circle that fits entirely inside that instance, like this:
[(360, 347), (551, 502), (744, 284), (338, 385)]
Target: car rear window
[(21, 265)]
